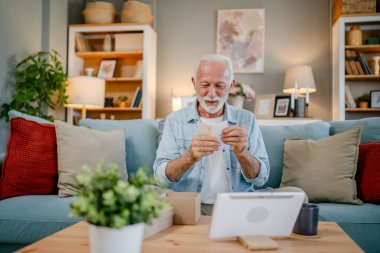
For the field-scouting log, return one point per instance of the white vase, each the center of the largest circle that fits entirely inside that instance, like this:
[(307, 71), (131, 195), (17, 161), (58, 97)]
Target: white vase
[(238, 101), (111, 240)]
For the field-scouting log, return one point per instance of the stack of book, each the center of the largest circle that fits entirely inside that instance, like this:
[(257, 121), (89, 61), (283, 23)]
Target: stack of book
[(355, 64)]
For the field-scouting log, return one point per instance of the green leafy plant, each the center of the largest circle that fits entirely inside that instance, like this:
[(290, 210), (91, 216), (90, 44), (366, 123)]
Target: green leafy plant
[(364, 98), (123, 98), (107, 200), (39, 78)]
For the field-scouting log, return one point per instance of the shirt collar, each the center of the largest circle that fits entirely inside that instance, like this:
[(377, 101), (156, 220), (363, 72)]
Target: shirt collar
[(229, 114)]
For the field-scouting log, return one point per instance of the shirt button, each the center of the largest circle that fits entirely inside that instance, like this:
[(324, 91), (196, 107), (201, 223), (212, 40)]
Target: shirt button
[(224, 150), (228, 168)]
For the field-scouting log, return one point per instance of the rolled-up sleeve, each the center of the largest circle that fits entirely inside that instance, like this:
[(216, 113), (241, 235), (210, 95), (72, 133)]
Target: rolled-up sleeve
[(256, 147)]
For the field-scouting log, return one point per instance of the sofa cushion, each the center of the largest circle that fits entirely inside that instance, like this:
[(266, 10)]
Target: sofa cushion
[(141, 139), (30, 165), (26, 219), (368, 173), (78, 146), (339, 212), (16, 114), (274, 137), (370, 132), (325, 169)]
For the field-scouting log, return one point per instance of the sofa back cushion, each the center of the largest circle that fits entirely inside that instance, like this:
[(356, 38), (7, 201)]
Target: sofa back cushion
[(141, 139), (274, 137), (370, 132)]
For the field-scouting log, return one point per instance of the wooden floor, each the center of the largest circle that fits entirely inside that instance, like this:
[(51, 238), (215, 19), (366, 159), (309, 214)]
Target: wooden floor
[(188, 238)]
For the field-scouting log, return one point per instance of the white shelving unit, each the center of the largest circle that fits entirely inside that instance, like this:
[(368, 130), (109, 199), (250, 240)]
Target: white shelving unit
[(359, 84), (121, 83)]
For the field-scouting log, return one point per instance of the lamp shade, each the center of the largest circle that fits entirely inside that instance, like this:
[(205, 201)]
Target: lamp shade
[(300, 77), (86, 91)]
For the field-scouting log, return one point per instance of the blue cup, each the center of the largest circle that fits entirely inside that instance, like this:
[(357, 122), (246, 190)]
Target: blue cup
[(307, 221)]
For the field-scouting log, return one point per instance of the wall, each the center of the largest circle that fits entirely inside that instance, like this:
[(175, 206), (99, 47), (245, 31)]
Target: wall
[(296, 32), (27, 27)]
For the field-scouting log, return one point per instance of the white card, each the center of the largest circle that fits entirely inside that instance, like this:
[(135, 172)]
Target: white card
[(214, 129)]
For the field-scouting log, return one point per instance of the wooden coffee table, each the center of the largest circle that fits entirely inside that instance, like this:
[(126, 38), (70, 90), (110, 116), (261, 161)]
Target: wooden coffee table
[(188, 238)]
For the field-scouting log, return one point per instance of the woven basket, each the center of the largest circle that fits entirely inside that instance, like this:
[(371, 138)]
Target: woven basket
[(342, 7)]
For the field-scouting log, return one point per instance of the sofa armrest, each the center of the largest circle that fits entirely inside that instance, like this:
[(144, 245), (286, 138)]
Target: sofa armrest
[(1, 160)]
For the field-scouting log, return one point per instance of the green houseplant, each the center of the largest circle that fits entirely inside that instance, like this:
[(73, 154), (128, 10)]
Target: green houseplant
[(363, 101), (123, 101), (115, 206), (39, 78)]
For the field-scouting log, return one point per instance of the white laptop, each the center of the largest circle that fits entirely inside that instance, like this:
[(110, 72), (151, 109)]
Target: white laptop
[(255, 213)]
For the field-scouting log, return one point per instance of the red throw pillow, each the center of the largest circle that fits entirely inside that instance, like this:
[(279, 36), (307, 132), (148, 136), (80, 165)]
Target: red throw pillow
[(368, 173), (30, 164)]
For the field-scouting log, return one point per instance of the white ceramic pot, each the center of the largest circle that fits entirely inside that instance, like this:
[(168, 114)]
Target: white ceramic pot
[(111, 240), (238, 101)]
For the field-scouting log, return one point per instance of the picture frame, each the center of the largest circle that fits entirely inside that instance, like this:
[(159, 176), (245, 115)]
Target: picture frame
[(282, 106), (107, 68), (375, 99), (264, 106), (240, 35)]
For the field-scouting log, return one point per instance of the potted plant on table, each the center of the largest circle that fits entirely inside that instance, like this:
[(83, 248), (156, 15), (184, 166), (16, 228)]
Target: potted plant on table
[(40, 83), (363, 101), (239, 92), (116, 209)]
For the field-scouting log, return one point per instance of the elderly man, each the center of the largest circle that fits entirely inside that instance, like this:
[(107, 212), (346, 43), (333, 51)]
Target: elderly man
[(193, 162)]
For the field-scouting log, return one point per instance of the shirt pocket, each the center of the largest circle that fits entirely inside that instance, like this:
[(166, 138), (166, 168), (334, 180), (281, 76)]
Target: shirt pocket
[(183, 145)]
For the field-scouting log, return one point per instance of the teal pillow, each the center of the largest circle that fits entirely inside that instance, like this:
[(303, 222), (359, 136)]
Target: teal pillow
[(16, 114), (141, 139), (274, 137), (370, 130)]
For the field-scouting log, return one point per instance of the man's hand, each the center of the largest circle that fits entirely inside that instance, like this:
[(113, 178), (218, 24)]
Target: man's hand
[(202, 145), (236, 137)]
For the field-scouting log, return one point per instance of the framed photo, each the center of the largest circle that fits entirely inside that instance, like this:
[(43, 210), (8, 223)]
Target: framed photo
[(282, 106), (240, 36), (107, 69), (375, 98), (264, 106)]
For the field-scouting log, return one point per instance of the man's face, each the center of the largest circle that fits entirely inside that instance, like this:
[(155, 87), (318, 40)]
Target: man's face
[(212, 85)]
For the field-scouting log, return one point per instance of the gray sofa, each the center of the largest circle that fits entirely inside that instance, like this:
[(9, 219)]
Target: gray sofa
[(26, 219)]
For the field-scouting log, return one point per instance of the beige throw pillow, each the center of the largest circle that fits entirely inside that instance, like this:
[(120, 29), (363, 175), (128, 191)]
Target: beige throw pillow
[(78, 146), (324, 169)]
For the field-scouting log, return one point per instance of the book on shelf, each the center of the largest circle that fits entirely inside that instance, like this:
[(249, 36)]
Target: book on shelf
[(357, 63), (348, 67), (350, 102), (82, 44), (365, 64), (135, 96), (138, 69), (138, 98), (352, 62)]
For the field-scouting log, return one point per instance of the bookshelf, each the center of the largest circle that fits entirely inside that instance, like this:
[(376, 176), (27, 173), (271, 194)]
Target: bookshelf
[(85, 50), (358, 84)]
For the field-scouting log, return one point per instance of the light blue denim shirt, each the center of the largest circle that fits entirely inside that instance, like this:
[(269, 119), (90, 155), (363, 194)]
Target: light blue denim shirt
[(179, 129)]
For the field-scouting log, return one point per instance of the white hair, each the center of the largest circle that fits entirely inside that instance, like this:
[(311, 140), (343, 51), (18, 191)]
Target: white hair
[(216, 58)]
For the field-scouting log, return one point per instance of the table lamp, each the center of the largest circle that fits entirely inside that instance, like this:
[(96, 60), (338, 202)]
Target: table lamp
[(85, 92), (299, 80)]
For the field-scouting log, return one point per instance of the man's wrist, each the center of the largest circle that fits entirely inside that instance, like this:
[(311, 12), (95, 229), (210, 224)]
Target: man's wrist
[(189, 158)]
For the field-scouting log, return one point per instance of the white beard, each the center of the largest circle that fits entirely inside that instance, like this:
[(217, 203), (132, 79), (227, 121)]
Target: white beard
[(212, 109)]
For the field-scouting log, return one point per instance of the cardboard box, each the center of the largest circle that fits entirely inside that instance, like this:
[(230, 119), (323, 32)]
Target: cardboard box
[(187, 207), (161, 223), (129, 42)]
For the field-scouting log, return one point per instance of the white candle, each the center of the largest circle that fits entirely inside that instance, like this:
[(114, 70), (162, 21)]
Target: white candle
[(307, 95)]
